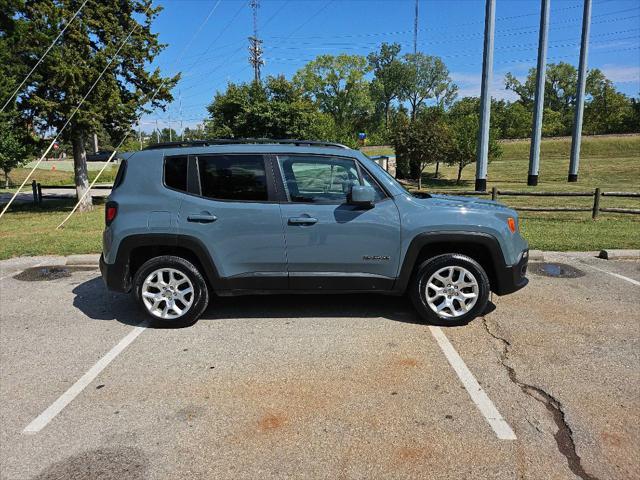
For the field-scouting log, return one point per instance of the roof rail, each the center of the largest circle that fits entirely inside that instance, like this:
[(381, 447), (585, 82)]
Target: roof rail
[(243, 141)]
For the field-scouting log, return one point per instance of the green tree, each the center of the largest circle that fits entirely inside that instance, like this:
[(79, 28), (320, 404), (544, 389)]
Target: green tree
[(13, 151), (276, 108), (560, 86), (422, 142), (608, 110), (512, 119), (390, 73), (338, 86), (427, 77), (464, 142), (195, 133), (75, 62)]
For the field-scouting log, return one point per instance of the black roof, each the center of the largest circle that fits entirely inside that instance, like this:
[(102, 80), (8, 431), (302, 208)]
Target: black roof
[(237, 141)]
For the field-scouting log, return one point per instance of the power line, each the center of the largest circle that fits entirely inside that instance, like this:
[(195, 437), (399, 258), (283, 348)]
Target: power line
[(42, 56), (59, 132), (124, 138)]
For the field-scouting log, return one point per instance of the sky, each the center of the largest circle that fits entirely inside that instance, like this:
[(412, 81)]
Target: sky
[(207, 41)]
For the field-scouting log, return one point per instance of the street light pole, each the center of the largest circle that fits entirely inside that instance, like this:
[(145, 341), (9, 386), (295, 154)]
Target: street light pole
[(576, 136), (536, 134), (485, 97)]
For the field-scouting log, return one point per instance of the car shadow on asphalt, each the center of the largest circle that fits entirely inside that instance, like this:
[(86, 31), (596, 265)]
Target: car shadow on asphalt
[(96, 302)]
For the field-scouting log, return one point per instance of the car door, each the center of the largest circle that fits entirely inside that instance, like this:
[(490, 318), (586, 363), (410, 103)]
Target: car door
[(330, 244), (235, 215)]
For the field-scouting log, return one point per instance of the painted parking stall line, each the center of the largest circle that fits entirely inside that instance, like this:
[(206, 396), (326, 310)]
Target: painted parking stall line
[(67, 397), (617, 275), (499, 425)]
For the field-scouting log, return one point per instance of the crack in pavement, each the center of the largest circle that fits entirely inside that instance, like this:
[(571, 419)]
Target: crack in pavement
[(564, 436)]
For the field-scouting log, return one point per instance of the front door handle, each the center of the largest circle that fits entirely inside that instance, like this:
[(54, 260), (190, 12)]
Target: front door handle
[(302, 221), (201, 218)]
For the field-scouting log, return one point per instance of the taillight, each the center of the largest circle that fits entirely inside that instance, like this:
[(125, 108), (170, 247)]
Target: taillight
[(511, 223), (110, 212)]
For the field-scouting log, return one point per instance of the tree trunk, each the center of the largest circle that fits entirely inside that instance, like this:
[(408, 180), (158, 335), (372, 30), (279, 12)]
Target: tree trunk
[(6, 178), (437, 168), (460, 167), (81, 175), (386, 115)]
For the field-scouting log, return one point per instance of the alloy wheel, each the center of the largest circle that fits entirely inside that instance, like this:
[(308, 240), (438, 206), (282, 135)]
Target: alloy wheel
[(452, 291), (167, 293)]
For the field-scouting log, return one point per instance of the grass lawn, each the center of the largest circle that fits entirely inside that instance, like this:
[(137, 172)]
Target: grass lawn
[(29, 230), (52, 177), (612, 163)]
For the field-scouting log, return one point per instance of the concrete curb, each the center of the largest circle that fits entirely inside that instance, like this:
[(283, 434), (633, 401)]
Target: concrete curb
[(536, 256), (619, 254), (91, 260)]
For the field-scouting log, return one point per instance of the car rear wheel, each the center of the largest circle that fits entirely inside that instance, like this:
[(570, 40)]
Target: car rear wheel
[(450, 289), (171, 291)]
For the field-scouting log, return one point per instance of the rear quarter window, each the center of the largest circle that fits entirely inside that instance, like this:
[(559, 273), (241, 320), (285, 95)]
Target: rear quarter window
[(175, 173)]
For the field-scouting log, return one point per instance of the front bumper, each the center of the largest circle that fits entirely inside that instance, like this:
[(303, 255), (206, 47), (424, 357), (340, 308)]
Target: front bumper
[(512, 278)]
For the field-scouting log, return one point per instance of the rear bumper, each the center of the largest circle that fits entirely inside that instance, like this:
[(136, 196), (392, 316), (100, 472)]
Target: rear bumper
[(512, 278), (116, 276)]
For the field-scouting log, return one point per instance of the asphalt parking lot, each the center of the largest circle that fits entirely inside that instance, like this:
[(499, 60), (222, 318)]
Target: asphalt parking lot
[(339, 387)]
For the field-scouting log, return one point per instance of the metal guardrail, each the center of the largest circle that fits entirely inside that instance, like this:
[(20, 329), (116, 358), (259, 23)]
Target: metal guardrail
[(595, 210)]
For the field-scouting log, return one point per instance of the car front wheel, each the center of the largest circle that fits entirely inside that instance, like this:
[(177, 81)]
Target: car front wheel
[(171, 291), (450, 289)]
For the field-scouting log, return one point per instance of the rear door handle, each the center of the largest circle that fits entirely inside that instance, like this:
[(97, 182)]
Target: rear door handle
[(302, 221), (201, 218)]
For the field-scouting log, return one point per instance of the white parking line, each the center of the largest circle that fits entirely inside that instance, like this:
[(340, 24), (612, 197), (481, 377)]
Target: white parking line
[(621, 277), (483, 402), (67, 397)]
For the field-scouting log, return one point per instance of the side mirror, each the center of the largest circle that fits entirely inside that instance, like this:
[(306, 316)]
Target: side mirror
[(362, 196)]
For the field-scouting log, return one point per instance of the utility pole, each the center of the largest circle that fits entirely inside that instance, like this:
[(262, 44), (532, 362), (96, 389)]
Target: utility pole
[(170, 136), (255, 44), (157, 132), (180, 110), (415, 30), (140, 134), (485, 96), (576, 136), (95, 143), (534, 153)]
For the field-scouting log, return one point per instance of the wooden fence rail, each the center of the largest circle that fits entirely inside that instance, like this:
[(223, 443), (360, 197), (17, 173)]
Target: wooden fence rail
[(595, 210), (495, 193)]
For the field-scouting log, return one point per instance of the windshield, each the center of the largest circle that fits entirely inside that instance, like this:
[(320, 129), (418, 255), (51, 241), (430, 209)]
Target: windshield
[(389, 176)]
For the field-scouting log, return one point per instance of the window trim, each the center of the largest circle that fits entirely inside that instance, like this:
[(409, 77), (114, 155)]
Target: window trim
[(121, 173), (272, 191), (359, 168)]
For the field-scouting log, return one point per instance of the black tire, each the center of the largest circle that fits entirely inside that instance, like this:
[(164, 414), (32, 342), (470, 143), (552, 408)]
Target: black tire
[(417, 288), (200, 298)]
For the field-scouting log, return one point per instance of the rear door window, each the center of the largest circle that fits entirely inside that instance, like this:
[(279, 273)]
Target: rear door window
[(233, 177)]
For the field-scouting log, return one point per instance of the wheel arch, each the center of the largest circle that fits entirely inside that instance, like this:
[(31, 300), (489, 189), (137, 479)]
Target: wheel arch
[(482, 247), (135, 250)]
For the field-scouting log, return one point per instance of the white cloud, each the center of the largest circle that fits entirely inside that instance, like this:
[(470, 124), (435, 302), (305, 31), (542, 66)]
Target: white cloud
[(469, 85), (621, 73)]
